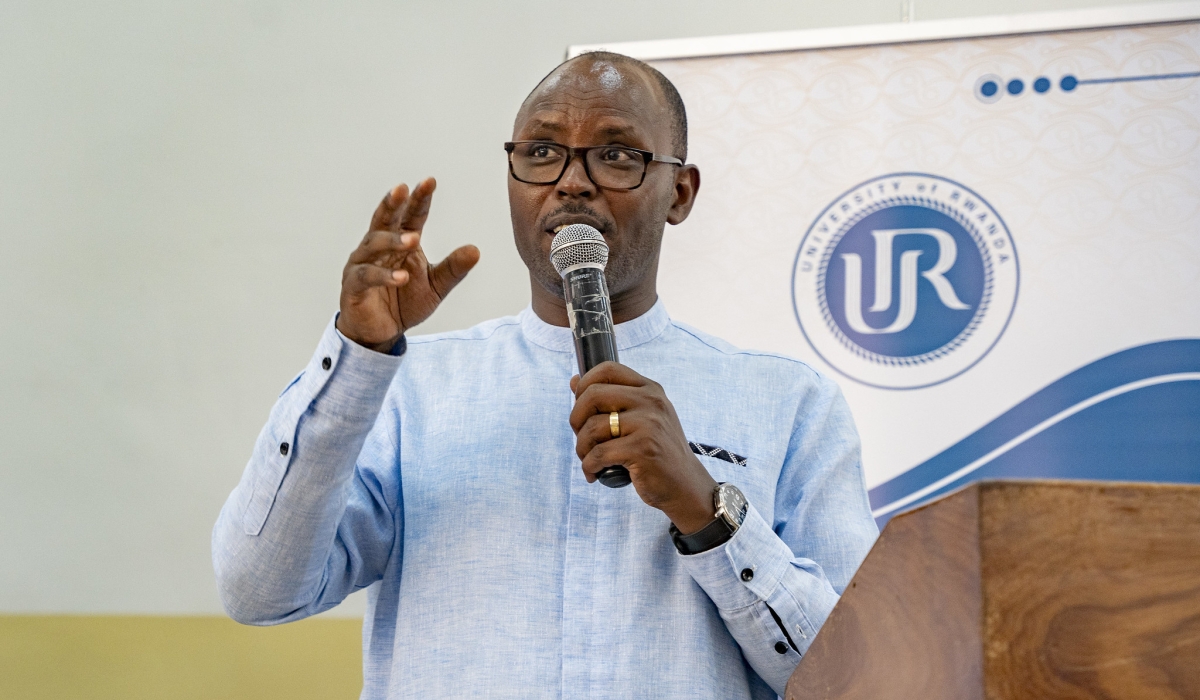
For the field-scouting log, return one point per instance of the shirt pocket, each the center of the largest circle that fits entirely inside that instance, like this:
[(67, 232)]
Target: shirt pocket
[(722, 463), (717, 452)]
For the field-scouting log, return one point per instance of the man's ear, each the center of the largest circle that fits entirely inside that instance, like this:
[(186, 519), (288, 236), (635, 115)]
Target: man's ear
[(687, 184)]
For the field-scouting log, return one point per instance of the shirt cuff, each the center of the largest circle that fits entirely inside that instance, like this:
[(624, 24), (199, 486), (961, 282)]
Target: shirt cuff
[(745, 570), (350, 377), (343, 380)]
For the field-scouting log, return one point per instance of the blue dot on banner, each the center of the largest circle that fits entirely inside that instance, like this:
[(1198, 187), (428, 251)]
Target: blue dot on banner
[(1068, 83), (1015, 86), (989, 88), (1041, 84)]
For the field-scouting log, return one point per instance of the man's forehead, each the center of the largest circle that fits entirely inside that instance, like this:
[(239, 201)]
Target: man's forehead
[(605, 122), (601, 85), (594, 73)]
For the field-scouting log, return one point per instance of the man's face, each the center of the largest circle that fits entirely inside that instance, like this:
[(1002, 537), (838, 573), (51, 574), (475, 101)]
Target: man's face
[(593, 103)]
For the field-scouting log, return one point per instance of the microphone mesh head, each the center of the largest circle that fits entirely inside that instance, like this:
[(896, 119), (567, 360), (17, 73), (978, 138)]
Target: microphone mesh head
[(578, 244)]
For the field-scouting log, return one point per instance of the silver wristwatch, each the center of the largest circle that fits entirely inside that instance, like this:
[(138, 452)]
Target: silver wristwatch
[(731, 509)]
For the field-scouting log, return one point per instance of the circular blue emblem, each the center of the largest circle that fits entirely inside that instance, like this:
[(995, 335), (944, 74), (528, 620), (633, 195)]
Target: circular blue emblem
[(905, 281)]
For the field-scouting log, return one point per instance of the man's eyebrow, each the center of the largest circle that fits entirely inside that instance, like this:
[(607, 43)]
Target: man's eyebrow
[(546, 125), (620, 131), (608, 131)]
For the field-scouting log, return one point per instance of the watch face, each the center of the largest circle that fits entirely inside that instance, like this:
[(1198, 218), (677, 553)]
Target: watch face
[(732, 504)]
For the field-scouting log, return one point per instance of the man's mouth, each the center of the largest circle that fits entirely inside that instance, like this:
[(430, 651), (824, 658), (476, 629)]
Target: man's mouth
[(553, 230)]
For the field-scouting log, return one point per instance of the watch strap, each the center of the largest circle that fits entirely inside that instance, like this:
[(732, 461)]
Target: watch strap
[(712, 535)]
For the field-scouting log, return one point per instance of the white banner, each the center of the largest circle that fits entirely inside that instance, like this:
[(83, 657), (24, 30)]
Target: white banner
[(992, 244)]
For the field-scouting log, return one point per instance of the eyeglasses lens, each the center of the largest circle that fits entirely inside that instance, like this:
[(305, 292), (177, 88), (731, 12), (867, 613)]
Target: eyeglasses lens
[(610, 166), (538, 163), (616, 167)]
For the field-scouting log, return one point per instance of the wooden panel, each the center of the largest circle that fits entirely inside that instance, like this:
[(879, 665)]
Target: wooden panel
[(908, 626), (53, 657), (1091, 591)]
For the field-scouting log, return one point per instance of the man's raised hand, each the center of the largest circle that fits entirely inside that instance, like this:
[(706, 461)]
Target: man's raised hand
[(388, 285)]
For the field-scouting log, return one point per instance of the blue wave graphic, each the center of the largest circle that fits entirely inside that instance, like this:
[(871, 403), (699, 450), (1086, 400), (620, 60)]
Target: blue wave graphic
[(1131, 416)]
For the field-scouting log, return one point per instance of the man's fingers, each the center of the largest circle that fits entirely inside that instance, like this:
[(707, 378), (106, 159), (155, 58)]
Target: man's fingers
[(380, 243), (601, 399), (415, 210), (448, 273), (607, 454), (597, 430), (385, 213), (609, 373), (364, 276), (402, 211)]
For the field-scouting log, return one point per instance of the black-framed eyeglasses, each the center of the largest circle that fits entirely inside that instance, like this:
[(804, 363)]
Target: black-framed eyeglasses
[(610, 167)]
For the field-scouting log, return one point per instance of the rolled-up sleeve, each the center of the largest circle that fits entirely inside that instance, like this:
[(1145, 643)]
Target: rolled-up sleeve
[(775, 583), (305, 526)]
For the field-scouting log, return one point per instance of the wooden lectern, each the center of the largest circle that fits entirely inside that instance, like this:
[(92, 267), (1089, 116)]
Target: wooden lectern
[(1022, 589)]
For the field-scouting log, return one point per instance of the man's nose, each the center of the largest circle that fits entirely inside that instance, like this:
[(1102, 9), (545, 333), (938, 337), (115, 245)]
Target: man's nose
[(575, 181)]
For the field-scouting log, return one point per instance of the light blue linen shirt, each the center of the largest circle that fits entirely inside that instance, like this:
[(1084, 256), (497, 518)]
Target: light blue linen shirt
[(446, 482)]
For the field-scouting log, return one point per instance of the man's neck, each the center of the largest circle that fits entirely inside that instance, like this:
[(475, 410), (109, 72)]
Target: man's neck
[(625, 306)]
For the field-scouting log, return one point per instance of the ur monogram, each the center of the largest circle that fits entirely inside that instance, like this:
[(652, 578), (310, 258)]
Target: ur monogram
[(905, 281)]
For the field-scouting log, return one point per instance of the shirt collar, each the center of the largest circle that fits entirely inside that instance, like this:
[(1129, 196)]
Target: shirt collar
[(632, 333)]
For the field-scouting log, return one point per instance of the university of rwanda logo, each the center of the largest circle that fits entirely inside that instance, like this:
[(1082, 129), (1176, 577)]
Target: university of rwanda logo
[(905, 281)]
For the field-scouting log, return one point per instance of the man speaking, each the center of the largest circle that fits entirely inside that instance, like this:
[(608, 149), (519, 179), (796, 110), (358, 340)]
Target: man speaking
[(455, 475)]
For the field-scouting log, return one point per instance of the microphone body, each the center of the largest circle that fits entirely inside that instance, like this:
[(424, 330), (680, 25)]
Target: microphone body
[(588, 312), (579, 253)]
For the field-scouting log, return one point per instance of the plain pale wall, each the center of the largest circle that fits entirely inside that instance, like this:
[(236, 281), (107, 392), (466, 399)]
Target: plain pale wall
[(180, 184)]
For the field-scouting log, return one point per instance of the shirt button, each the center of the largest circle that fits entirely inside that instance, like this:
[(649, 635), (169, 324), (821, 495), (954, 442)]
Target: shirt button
[(283, 449), (326, 363), (747, 574), (781, 647)]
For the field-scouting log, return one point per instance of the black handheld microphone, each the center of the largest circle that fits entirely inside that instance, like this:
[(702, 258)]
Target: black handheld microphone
[(579, 253)]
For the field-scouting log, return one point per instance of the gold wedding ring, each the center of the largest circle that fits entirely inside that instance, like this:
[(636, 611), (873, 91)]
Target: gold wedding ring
[(614, 424)]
